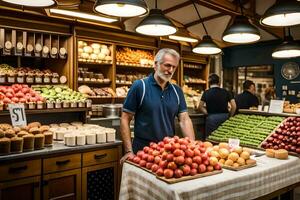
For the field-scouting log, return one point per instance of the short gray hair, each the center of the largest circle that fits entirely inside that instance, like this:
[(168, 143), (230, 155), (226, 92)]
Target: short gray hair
[(162, 52)]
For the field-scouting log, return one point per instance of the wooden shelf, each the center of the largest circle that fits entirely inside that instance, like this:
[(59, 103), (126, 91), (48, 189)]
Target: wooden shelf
[(94, 83), (45, 111), (194, 83), (93, 63), (132, 66), (128, 84), (192, 68)]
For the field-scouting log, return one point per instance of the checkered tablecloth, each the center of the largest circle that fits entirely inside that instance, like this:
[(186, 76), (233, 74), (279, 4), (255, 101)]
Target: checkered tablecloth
[(268, 176)]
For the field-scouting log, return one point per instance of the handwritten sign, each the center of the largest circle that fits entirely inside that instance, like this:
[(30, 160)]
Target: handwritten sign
[(233, 143), (17, 114)]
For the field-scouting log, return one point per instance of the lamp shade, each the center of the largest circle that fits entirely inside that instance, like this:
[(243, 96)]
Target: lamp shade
[(156, 24), (282, 13), (32, 3), (121, 8), (288, 49), (241, 31), (207, 46), (183, 35)]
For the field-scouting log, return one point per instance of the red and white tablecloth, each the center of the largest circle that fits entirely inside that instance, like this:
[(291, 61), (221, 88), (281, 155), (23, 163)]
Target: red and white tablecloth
[(268, 176)]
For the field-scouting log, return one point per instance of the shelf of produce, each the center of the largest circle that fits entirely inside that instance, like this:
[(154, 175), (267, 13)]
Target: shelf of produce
[(93, 83), (94, 63), (6, 83), (256, 112), (197, 68), (122, 84), (195, 83), (44, 111), (133, 66)]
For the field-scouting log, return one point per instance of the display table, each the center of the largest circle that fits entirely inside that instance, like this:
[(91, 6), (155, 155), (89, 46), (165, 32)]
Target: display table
[(268, 176)]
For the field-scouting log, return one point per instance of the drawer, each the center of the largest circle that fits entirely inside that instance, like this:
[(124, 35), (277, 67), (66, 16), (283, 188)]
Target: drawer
[(101, 156), (18, 170), (62, 163)]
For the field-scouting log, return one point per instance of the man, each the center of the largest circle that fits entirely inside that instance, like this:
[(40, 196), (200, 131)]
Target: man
[(247, 99), (216, 100), (154, 103)]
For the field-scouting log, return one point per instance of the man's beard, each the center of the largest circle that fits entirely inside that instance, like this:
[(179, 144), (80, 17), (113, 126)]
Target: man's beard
[(164, 76)]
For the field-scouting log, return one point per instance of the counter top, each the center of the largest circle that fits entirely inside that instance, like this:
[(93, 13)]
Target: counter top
[(57, 148), (256, 112)]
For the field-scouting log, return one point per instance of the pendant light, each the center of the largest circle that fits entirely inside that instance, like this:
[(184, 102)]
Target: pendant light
[(241, 31), (156, 24), (32, 3), (183, 35), (282, 13), (206, 46), (288, 49), (121, 8)]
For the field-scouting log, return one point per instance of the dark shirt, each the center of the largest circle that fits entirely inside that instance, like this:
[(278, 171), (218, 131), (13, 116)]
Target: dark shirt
[(216, 100), (155, 116), (246, 100)]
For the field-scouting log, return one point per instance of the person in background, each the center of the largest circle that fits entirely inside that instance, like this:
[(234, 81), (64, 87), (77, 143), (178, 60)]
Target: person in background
[(216, 100), (247, 98), (154, 103), (269, 95)]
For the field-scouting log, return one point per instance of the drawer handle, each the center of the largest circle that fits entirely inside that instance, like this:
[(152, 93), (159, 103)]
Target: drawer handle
[(100, 156), (17, 169), (62, 162)]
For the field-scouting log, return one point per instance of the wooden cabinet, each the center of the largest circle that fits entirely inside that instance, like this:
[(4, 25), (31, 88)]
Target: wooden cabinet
[(64, 185), (20, 180), (100, 174), (62, 177)]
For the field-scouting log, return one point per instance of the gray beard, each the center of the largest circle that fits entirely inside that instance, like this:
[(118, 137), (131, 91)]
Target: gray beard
[(164, 77)]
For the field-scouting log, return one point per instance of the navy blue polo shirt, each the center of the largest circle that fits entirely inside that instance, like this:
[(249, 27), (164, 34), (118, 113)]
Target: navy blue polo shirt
[(155, 116)]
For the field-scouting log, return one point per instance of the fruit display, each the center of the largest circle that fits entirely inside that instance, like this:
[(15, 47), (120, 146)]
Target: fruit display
[(19, 93), (189, 79), (286, 136), (231, 158), (250, 129), (78, 134), (10, 74), (34, 136), (60, 94), (96, 92), (134, 57), (94, 52), (192, 65), (86, 76), (176, 157), (291, 108)]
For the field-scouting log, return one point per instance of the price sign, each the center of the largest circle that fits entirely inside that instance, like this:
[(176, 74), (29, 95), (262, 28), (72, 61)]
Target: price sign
[(17, 114), (233, 143), (276, 106)]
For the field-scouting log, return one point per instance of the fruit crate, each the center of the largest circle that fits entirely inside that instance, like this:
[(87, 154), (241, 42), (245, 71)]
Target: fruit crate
[(285, 136), (250, 129)]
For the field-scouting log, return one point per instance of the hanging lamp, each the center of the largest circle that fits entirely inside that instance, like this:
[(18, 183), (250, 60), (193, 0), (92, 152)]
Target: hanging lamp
[(288, 49), (156, 24), (32, 3), (206, 46), (121, 8), (183, 35), (282, 13), (241, 31)]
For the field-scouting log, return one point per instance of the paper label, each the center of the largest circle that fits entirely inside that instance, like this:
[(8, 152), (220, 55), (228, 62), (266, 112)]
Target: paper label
[(233, 143), (17, 115), (276, 106)]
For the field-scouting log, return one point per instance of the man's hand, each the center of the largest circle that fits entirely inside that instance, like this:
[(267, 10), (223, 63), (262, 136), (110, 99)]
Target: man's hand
[(127, 155)]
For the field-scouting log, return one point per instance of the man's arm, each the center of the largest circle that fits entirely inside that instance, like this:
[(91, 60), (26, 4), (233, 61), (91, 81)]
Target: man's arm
[(126, 134), (201, 108), (186, 125), (232, 107)]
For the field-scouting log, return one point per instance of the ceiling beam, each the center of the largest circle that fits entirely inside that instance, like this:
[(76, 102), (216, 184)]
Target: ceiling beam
[(228, 7), (178, 6), (204, 19)]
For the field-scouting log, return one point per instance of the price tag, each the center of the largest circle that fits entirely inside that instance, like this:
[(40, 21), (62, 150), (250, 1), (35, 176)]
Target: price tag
[(233, 143), (17, 114), (276, 106)]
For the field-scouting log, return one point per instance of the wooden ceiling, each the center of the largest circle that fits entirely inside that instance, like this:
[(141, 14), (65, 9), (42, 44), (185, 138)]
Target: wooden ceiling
[(216, 15)]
